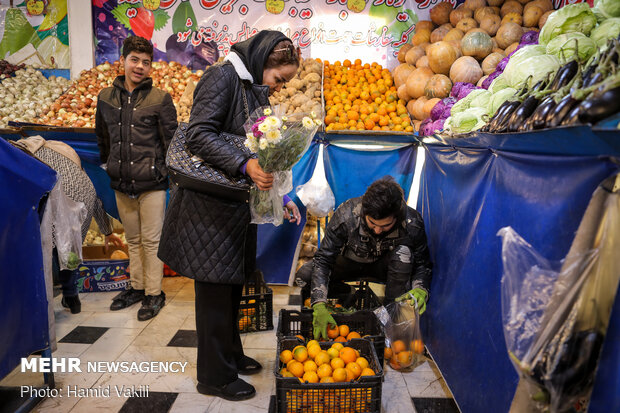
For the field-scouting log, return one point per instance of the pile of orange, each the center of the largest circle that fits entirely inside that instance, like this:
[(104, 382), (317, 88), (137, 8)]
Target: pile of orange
[(312, 364), (244, 323), (362, 97), (400, 356), (248, 311)]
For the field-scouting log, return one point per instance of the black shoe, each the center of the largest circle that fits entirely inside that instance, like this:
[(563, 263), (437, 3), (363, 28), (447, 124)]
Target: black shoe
[(248, 366), (126, 298), (235, 391), (72, 303), (151, 306)]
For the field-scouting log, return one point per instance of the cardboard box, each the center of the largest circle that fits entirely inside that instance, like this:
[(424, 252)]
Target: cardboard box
[(99, 273)]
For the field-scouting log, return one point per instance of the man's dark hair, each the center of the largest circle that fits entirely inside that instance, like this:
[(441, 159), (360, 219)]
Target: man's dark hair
[(137, 44), (284, 53), (383, 198)]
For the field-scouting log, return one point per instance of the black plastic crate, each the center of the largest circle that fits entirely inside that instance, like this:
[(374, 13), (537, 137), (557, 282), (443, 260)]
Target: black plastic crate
[(292, 323), (364, 298), (256, 306), (359, 396)]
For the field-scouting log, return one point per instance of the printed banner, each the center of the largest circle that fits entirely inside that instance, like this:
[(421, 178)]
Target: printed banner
[(197, 32), (35, 32)]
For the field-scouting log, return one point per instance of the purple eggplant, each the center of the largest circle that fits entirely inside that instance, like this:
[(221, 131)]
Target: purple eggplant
[(541, 113), (525, 110), (557, 115), (499, 114), (572, 118), (599, 107), (502, 124), (564, 75)]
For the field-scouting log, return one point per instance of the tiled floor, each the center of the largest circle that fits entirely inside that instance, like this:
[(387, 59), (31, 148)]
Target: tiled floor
[(96, 334)]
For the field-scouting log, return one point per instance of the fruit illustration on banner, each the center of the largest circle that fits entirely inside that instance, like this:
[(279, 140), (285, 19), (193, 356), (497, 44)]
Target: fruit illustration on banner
[(356, 6), (17, 32), (142, 22), (274, 6), (55, 12), (151, 4), (35, 7)]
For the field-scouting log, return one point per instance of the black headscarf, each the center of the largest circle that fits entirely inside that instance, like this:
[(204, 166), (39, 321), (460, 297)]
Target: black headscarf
[(255, 51)]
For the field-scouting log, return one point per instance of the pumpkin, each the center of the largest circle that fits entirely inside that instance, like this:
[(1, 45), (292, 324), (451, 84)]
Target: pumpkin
[(467, 24), (440, 13), (402, 93), (428, 106), (496, 10), (544, 5), (495, 46), (481, 81), (454, 34), (474, 5), (511, 6), (416, 125), (410, 106), (543, 19), (418, 108), (476, 30), (414, 54), (401, 73), (511, 48), (465, 69), (476, 44), (481, 13), (421, 37), (438, 86), (531, 16), (523, 2), (495, 3), (416, 82), (424, 46), (508, 34), (439, 33), (424, 25), (498, 50), (490, 63), (514, 18), (402, 52), (441, 55), (422, 62), (490, 24), (119, 255), (459, 14), (456, 45)]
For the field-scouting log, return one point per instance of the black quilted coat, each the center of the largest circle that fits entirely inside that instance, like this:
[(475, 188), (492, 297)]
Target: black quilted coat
[(207, 238)]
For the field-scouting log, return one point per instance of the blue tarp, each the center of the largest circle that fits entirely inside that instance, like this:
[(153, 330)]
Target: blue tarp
[(23, 302), (467, 194)]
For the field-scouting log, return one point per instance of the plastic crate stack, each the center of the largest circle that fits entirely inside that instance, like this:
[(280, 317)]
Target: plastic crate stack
[(256, 306)]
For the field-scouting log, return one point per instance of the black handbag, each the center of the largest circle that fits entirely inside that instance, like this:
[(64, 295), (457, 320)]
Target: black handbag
[(192, 172)]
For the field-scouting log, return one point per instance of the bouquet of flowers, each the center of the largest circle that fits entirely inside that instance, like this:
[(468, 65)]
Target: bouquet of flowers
[(279, 141)]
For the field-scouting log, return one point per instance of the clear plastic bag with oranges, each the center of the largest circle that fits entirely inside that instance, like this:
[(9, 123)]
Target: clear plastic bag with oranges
[(403, 338)]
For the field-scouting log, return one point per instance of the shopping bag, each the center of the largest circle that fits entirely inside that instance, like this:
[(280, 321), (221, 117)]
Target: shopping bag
[(67, 217), (316, 195)]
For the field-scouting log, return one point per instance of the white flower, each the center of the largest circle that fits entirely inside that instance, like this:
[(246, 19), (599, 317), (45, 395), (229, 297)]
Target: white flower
[(273, 135), (267, 111), (273, 122), (318, 122), (284, 127), (264, 127), (313, 114), (284, 118), (251, 144), (307, 122), (262, 144)]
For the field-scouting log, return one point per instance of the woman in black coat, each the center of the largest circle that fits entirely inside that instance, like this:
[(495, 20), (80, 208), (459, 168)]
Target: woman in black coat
[(209, 238)]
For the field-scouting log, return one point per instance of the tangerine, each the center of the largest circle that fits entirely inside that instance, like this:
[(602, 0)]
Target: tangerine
[(310, 365), (324, 370), (286, 356), (398, 346), (355, 369), (367, 372), (332, 331), (296, 368), (353, 334), (344, 330), (336, 363), (387, 353), (300, 354), (362, 362), (347, 354), (322, 358), (310, 377), (339, 375)]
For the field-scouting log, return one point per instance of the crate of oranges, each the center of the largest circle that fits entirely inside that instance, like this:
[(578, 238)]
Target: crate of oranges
[(362, 98), (327, 377), (361, 324), (256, 306)]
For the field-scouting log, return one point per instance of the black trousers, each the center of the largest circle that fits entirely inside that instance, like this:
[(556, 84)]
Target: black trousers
[(219, 344)]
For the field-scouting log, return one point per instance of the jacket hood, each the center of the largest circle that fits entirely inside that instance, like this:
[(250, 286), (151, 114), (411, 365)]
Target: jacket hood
[(119, 82), (254, 52)]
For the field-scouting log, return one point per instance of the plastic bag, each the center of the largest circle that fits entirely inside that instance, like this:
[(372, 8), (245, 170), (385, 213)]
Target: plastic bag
[(67, 217), (403, 338), (555, 315), (316, 194)]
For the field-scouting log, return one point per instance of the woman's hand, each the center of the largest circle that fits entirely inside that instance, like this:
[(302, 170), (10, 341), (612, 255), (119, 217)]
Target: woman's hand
[(291, 212), (262, 179)]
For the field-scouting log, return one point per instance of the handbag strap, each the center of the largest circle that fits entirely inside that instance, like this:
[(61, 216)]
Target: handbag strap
[(245, 101)]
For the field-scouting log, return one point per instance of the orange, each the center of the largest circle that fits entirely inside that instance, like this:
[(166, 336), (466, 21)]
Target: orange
[(336, 363), (300, 354), (355, 369), (387, 353), (333, 353), (310, 377), (344, 330), (362, 362), (417, 346), (332, 331), (337, 346), (286, 356), (394, 364), (285, 373), (350, 375), (341, 339), (353, 334), (296, 368), (244, 322), (327, 380), (339, 375), (347, 354), (367, 372), (311, 343), (310, 365), (404, 358), (322, 358), (324, 370), (314, 350), (398, 346)]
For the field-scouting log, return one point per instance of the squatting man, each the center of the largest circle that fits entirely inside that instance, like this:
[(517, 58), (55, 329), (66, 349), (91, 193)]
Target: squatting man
[(375, 237)]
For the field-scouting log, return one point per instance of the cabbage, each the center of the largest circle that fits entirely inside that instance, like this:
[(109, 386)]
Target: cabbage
[(497, 99), (462, 89), (466, 121), (606, 9), (572, 18), (609, 29), (464, 103), (442, 109), (530, 37), (538, 67), (481, 100), (564, 46), (498, 84)]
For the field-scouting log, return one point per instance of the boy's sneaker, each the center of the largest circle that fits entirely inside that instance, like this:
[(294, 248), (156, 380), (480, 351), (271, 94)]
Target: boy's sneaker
[(126, 298), (151, 306)]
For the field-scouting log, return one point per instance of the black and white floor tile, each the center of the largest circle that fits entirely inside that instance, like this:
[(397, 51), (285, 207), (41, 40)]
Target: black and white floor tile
[(97, 334)]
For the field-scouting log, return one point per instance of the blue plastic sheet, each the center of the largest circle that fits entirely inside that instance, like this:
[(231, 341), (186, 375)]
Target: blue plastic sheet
[(23, 301), (349, 172), (467, 195)]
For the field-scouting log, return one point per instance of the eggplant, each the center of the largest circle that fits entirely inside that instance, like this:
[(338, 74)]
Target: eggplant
[(596, 78), (572, 118), (502, 123), (565, 75), (525, 110), (599, 107), (543, 110), (555, 117), (499, 113)]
